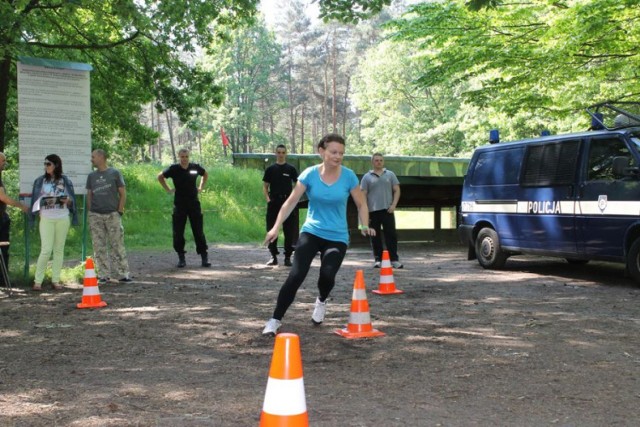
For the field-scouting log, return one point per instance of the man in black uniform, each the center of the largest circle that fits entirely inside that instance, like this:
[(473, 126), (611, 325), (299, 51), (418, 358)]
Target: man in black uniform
[(186, 204), (277, 183)]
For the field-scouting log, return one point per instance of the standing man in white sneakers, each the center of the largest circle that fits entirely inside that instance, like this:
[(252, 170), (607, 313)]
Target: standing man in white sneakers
[(277, 182), (106, 197), (382, 190)]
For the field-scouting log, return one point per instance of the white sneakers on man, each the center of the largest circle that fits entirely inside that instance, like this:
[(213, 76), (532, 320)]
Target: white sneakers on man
[(319, 311), (272, 327)]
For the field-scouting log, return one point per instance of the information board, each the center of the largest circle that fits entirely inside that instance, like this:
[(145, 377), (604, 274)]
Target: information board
[(54, 117)]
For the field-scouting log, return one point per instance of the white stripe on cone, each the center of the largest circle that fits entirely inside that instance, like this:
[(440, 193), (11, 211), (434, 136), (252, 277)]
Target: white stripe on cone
[(90, 291), (359, 294), (356, 318), (285, 397), (386, 279)]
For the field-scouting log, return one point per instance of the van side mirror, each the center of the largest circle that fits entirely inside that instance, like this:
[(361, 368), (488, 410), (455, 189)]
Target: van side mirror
[(621, 167)]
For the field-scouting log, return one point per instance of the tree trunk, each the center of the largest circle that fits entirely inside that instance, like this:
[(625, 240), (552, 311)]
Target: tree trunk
[(302, 129), (334, 77), (5, 79), (325, 101), (344, 108), (170, 130), (292, 113), (152, 151)]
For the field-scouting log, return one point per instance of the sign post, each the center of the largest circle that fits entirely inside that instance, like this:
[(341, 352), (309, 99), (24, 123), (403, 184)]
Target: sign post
[(54, 117)]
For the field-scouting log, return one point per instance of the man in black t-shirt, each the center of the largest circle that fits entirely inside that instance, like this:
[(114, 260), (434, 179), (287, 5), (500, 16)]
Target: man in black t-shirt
[(277, 185), (186, 204)]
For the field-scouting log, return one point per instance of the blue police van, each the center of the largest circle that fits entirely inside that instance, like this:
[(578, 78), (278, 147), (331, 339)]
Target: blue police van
[(573, 196)]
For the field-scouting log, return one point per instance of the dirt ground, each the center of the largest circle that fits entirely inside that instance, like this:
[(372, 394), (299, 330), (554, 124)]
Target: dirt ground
[(541, 343)]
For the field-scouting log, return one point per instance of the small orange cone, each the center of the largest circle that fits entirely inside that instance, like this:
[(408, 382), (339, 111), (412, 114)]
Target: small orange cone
[(284, 401), (90, 291), (359, 319), (387, 285)]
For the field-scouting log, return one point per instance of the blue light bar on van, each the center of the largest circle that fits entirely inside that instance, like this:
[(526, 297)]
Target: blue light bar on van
[(494, 136), (597, 121)]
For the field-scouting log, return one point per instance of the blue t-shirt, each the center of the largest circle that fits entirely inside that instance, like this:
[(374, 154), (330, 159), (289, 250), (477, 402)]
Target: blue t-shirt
[(327, 213)]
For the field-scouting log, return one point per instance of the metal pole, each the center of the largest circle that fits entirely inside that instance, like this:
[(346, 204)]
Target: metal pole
[(84, 228)]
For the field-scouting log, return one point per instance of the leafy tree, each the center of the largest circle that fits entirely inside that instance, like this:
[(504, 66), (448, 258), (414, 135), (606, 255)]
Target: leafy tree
[(398, 116), (140, 51), (547, 59), (351, 10), (299, 66), (245, 61)]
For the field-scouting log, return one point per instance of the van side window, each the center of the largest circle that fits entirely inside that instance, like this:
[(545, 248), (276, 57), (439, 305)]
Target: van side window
[(550, 164), (601, 154), (499, 167)]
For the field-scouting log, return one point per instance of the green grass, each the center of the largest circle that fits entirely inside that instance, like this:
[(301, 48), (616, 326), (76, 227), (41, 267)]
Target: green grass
[(232, 203)]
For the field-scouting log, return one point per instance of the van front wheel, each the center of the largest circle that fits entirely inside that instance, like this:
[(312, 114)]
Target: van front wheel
[(488, 250), (633, 261)]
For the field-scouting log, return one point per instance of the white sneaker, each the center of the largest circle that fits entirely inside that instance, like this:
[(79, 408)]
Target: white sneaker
[(397, 264), (319, 311), (376, 264), (271, 328)]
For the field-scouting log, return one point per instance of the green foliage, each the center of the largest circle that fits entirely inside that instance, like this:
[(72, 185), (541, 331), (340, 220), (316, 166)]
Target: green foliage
[(140, 51), (351, 10), (245, 61), (545, 60), (398, 115)]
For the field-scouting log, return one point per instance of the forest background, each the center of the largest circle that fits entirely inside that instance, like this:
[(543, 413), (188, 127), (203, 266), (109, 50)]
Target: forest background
[(403, 78)]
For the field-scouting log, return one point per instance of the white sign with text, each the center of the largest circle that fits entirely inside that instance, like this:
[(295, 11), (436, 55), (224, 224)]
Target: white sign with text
[(54, 117)]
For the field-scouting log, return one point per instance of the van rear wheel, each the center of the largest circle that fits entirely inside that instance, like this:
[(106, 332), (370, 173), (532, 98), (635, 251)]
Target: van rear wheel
[(488, 250), (633, 261)]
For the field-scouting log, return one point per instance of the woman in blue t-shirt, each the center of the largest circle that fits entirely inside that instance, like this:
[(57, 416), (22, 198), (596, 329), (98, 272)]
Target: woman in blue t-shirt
[(328, 186)]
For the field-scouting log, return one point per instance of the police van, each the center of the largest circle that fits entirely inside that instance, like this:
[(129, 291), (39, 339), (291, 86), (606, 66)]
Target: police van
[(573, 196)]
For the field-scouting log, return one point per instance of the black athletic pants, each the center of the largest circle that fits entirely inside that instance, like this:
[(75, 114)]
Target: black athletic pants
[(193, 212), (331, 256)]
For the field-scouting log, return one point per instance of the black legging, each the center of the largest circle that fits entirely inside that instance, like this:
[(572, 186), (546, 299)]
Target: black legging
[(331, 256)]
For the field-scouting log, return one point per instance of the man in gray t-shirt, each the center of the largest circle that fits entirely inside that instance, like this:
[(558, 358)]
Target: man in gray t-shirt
[(382, 190), (106, 197)]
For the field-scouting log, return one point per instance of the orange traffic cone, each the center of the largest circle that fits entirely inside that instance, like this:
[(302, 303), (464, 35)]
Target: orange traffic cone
[(359, 319), (284, 401), (387, 285), (90, 291)]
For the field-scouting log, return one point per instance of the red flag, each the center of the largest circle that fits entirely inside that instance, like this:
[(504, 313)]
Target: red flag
[(225, 140)]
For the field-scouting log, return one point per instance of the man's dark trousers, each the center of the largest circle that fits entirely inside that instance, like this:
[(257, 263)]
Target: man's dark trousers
[(387, 221), (192, 211), (289, 227)]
